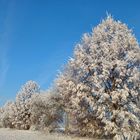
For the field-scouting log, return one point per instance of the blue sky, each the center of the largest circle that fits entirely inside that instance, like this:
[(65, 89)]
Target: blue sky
[(37, 37)]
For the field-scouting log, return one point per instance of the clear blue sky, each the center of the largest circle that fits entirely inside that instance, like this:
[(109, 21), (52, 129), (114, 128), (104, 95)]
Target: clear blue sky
[(38, 36)]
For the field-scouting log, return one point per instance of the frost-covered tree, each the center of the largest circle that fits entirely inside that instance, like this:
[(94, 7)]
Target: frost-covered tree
[(100, 86), (27, 91), (46, 111), (5, 115), (18, 114), (23, 105)]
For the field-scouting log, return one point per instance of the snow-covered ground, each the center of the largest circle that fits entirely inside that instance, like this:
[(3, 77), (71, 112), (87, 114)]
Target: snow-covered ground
[(8, 134)]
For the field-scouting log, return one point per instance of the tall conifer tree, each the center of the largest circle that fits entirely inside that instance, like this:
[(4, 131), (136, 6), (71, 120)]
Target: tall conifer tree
[(100, 85)]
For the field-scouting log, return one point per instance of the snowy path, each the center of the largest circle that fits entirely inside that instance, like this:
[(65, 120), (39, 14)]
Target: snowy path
[(7, 134)]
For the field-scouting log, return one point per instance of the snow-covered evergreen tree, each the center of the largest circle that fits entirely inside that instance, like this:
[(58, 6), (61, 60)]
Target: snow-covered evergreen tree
[(100, 85), (23, 105), (27, 91), (18, 114)]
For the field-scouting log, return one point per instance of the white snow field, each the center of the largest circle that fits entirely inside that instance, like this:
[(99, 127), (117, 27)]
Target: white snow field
[(8, 134)]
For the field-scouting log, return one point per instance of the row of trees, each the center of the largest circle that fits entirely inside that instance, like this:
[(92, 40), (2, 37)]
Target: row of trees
[(99, 88), (31, 109)]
